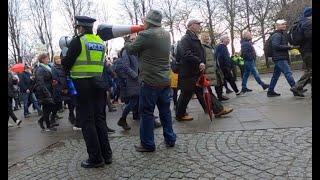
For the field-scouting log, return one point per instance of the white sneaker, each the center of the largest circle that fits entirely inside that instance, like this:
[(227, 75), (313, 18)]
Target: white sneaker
[(10, 125), (18, 122), (76, 128)]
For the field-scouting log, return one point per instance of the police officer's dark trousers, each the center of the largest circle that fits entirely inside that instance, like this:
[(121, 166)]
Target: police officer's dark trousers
[(91, 101)]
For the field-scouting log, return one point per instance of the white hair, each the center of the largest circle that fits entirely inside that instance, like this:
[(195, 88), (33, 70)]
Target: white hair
[(224, 37)]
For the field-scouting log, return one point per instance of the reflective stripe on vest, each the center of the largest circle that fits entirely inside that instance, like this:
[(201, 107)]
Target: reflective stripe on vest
[(90, 61)]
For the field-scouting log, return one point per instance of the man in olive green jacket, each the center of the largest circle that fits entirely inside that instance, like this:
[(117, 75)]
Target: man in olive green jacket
[(152, 46)]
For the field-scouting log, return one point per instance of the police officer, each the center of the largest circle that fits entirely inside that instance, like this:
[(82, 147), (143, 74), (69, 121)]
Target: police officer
[(84, 61)]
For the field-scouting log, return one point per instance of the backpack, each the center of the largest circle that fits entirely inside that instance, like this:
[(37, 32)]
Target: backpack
[(267, 48), (295, 34)]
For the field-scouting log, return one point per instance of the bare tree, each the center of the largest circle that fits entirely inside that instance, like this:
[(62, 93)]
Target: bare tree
[(72, 8), (41, 18), (230, 15), (14, 29), (261, 11), (170, 10), (186, 7), (292, 10), (136, 9), (209, 11)]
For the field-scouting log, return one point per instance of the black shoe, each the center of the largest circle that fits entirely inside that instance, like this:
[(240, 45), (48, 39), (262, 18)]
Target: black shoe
[(140, 148), (157, 124), (109, 130), (296, 92), (168, 145), (247, 90), (272, 94), (52, 128), (89, 164), (123, 123), (223, 98), (113, 109), (242, 92), (265, 86), (239, 93), (58, 117), (72, 119), (41, 125), (26, 116), (108, 160), (228, 91), (54, 124)]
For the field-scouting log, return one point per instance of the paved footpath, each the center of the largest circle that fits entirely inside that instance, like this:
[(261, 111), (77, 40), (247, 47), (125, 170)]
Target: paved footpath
[(264, 138)]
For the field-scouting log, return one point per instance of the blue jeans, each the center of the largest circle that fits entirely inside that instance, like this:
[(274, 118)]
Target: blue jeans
[(281, 66), (132, 102), (34, 101), (250, 67), (149, 98)]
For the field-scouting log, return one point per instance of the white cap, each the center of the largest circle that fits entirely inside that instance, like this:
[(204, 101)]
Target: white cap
[(280, 21)]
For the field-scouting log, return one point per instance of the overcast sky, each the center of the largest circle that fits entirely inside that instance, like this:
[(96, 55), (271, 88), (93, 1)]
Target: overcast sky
[(114, 17)]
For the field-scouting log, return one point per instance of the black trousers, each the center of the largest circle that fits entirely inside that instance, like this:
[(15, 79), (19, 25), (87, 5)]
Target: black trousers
[(185, 97), (46, 109), (216, 104), (91, 103), (55, 109), (175, 96), (10, 111), (307, 75), (228, 76)]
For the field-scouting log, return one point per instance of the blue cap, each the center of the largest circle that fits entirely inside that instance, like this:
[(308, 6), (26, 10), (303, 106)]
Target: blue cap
[(84, 21), (307, 12)]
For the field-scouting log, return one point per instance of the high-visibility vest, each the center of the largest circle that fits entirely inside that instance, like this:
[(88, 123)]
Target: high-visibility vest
[(90, 61)]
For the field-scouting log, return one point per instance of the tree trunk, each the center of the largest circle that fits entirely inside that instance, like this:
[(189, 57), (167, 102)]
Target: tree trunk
[(247, 16), (232, 39), (264, 41), (211, 33), (172, 34)]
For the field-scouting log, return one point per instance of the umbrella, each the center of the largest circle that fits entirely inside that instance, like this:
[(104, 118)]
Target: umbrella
[(17, 68), (203, 82)]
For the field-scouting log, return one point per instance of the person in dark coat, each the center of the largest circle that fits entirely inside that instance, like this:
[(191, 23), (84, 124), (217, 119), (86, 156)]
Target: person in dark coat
[(11, 114), (306, 50), (25, 84), (280, 57), (249, 55), (44, 91), (59, 87), (126, 68), (223, 56), (191, 56)]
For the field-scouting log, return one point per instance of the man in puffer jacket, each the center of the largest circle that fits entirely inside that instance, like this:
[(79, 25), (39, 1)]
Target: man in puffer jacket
[(280, 57), (214, 75)]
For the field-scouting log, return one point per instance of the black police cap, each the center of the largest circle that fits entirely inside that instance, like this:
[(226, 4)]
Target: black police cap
[(84, 21)]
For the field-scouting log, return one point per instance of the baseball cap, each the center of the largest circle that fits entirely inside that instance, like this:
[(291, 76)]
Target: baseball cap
[(193, 21), (280, 21)]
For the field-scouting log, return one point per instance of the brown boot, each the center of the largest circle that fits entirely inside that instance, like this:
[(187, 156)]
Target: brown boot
[(184, 118), (224, 111), (123, 123)]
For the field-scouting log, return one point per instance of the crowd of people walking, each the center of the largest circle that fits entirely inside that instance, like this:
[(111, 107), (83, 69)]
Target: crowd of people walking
[(148, 73)]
